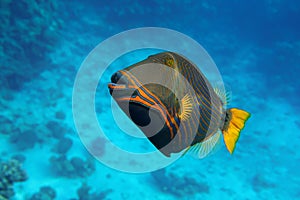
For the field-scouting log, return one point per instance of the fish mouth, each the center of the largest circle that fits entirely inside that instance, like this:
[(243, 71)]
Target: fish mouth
[(119, 86), (118, 81)]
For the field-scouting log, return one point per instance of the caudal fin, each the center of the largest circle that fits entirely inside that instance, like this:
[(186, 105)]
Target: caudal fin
[(234, 124)]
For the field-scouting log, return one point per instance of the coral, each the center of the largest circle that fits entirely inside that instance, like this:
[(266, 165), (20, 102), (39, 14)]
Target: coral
[(78, 164), (6, 125), (260, 182), (56, 130), (24, 140), (178, 186), (84, 193), (60, 115), (10, 172), (14, 81), (19, 157), (45, 193), (73, 168), (63, 145)]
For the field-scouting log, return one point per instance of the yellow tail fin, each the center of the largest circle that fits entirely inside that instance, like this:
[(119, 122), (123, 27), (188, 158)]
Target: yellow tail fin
[(234, 123)]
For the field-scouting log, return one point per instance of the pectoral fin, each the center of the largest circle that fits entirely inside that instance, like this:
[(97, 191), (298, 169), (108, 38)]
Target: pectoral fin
[(186, 107)]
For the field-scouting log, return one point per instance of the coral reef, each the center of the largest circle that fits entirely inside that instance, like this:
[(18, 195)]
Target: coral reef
[(45, 193), (72, 168), (24, 24), (84, 193), (178, 186), (10, 172)]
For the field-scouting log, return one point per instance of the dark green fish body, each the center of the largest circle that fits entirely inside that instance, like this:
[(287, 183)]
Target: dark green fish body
[(189, 111)]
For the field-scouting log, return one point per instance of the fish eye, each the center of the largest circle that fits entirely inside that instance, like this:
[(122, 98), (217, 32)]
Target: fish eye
[(169, 62)]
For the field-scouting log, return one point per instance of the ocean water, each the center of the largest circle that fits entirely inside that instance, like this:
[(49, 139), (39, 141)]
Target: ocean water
[(255, 45)]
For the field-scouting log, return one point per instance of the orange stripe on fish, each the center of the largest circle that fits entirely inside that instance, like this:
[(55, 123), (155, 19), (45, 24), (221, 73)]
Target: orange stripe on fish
[(142, 90)]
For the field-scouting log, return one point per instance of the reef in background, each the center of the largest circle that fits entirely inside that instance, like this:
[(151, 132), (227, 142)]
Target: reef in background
[(180, 187), (29, 32), (84, 193), (72, 168), (45, 193), (10, 173)]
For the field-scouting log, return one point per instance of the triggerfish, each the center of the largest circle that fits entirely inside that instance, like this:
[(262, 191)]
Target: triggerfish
[(179, 111)]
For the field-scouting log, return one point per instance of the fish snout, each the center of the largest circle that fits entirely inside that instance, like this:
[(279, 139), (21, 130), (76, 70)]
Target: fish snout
[(119, 78), (116, 77), (119, 83)]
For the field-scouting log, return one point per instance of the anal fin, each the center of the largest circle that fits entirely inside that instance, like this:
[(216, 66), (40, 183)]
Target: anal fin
[(206, 147)]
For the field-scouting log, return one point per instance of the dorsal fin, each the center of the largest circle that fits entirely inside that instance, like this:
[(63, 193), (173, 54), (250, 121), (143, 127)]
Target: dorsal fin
[(185, 107), (224, 94)]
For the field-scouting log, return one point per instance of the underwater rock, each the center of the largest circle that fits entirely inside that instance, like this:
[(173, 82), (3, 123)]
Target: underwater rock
[(62, 166), (24, 140), (260, 182), (83, 168), (73, 168), (97, 146), (14, 81), (176, 185), (56, 130), (160, 175), (78, 163), (45, 193), (84, 193), (63, 145), (60, 115), (108, 176), (19, 157), (10, 172), (6, 125)]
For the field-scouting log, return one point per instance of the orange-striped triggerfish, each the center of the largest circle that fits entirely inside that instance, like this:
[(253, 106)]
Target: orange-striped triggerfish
[(190, 114)]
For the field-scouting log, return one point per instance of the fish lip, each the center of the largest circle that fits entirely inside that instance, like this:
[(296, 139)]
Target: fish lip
[(118, 82), (116, 88), (120, 91), (119, 85)]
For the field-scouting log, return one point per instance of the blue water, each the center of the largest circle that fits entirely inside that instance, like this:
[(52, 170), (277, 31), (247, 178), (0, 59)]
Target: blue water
[(255, 45)]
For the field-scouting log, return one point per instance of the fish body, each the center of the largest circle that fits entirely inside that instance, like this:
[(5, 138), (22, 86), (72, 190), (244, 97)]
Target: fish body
[(168, 91)]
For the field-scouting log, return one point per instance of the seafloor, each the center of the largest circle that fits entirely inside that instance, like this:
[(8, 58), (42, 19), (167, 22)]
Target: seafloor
[(255, 45)]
